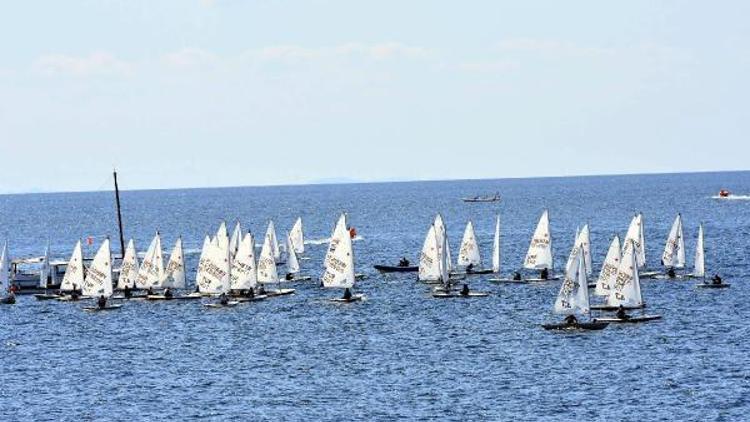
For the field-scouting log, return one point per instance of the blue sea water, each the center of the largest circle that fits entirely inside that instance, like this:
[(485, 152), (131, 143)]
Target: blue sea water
[(400, 354)]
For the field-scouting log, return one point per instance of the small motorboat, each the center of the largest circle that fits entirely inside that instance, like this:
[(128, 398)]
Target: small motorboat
[(396, 268), (712, 285), (577, 326), (493, 198), (629, 320), (724, 193)]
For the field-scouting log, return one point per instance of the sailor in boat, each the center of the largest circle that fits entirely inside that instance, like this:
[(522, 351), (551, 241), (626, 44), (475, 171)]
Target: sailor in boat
[(289, 277), (168, 293), (516, 276), (197, 288), (262, 289), (347, 294), (10, 299), (352, 232), (544, 274), (671, 273), (469, 269), (223, 299), (101, 302), (127, 293), (571, 320), (716, 279), (724, 193), (74, 293), (465, 290), (621, 314), (250, 293), (403, 262)]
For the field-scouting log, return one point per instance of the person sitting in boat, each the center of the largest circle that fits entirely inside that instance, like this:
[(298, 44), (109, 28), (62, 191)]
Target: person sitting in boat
[(347, 294), (671, 273), (74, 292), (403, 262), (101, 302), (262, 289), (621, 314), (289, 277), (127, 293), (544, 274), (150, 291), (250, 293), (168, 293), (470, 268), (465, 290), (197, 288), (571, 320), (223, 299), (716, 279), (516, 276)]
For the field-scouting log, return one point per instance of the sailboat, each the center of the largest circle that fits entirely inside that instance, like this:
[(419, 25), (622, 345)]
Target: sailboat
[(151, 271), (7, 298), (429, 265), (234, 242), (46, 278), (292, 262), (673, 257), (445, 290), (244, 272), (297, 237), (469, 256), (626, 293), (271, 235), (267, 272), (573, 297), (98, 282), (496, 247), (73, 278), (635, 237), (128, 268), (174, 276), (700, 265), (339, 263), (442, 235), (539, 256), (212, 277), (608, 275)]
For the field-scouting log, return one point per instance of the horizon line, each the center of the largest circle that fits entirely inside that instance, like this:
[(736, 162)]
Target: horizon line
[(344, 181)]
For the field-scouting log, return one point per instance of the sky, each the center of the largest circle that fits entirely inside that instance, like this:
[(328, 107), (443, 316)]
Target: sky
[(200, 93)]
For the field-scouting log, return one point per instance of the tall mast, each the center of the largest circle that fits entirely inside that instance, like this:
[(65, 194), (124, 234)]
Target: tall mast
[(119, 216)]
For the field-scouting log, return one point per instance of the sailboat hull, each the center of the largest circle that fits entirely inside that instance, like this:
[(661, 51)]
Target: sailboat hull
[(446, 295), (631, 320), (395, 269), (354, 298), (580, 326), (712, 286), (98, 309), (615, 308)]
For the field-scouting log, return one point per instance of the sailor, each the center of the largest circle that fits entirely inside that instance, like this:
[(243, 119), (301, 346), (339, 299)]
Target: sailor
[(10, 299), (150, 291), (250, 293), (74, 292), (544, 274), (716, 279), (621, 314), (126, 292), (197, 288), (347, 294), (516, 276), (262, 289), (671, 273), (101, 302), (465, 290), (168, 293), (470, 268), (289, 277), (404, 262), (571, 319), (223, 299)]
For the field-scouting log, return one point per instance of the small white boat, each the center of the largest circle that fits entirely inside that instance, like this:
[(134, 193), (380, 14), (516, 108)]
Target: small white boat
[(339, 263)]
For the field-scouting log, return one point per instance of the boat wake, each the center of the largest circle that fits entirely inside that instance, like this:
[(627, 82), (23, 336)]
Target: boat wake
[(732, 197)]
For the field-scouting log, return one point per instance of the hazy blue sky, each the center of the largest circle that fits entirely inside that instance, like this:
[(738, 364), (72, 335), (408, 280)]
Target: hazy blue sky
[(228, 92)]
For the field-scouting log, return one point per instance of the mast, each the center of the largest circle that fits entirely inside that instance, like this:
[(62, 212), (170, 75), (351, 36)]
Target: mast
[(119, 215)]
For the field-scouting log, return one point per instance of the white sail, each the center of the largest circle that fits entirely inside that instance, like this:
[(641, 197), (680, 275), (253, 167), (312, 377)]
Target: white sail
[(496, 248), (174, 275), (634, 237), (292, 263), (469, 252), (574, 292), (213, 269), (244, 274), (298, 237), (128, 268), (73, 279), (98, 280), (539, 255), (4, 271), (674, 249), (234, 242), (443, 263), (199, 279), (442, 235), (627, 288), (222, 237), (429, 265), (339, 265), (271, 234), (44, 271), (151, 272), (700, 255), (267, 262), (586, 247), (574, 252), (608, 274)]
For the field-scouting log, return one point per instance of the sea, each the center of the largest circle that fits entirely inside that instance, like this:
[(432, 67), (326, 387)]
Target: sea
[(400, 354)]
